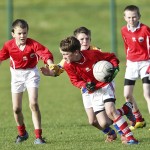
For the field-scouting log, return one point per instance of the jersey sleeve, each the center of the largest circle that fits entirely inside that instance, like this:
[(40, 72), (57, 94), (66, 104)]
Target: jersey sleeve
[(4, 53), (124, 41), (111, 57), (74, 78), (43, 52), (114, 60)]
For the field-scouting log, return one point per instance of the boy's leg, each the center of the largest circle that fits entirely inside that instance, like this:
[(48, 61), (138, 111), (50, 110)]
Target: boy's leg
[(99, 109), (146, 89), (126, 110), (120, 122), (36, 115), (17, 109), (92, 118), (105, 123), (128, 90), (89, 109)]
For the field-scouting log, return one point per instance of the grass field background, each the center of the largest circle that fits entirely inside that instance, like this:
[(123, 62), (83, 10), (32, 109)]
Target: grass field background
[(64, 121)]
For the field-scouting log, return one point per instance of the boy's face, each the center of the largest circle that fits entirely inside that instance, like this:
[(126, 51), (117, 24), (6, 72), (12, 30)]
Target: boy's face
[(20, 35), (132, 18), (85, 40), (70, 56)]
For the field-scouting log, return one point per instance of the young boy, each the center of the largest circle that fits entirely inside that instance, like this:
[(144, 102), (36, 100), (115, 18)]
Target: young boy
[(136, 37), (84, 36), (79, 67), (24, 54)]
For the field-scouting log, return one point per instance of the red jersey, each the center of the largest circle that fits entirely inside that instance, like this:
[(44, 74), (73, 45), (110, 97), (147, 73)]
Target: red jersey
[(27, 58), (137, 43), (82, 72)]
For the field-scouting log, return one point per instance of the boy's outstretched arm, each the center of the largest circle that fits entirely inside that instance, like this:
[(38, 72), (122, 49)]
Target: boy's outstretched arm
[(52, 70)]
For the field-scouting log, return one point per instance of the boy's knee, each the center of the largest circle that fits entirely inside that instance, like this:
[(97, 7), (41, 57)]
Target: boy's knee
[(93, 122), (17, 110), (111, 114), (127, 96), (104, 125), (34, 107)]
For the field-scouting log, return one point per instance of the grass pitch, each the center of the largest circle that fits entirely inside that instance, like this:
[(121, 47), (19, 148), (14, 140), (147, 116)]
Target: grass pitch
[(64, 121)]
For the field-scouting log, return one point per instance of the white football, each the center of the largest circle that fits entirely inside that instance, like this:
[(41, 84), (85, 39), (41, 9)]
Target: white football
[(100, 70)]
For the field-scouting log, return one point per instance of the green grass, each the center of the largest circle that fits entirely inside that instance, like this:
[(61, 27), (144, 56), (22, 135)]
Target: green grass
[(64, 121)]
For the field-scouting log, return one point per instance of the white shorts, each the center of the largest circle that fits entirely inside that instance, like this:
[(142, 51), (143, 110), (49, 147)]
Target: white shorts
[(86, 100), (23, 78), (135, 70), (100, 95)]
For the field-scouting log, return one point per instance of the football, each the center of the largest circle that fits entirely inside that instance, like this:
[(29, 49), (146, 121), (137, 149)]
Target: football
[(100, 70)]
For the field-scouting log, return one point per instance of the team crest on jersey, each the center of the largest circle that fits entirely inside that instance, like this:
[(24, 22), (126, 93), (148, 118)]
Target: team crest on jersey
[(140, 39), (87, 69), (25, 58), (32, 55), (133, 39)]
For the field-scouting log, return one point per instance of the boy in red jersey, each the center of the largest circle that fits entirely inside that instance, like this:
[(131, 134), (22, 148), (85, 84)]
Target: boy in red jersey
[(136, 37), (84, 36), (24, 54), (79, 67)]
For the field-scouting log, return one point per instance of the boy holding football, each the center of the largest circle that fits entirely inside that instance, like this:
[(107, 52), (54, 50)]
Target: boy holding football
[(136, 37), (24, 54), (79, 67), (84, 36)]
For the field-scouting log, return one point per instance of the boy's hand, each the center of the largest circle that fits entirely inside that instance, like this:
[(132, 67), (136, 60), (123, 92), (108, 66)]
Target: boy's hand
[(45, 71), (56, 68), (90, 86), (113, 72)]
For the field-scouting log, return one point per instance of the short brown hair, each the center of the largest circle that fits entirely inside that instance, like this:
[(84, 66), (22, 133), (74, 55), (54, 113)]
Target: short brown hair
[(82, 30), (133, 8), (21, 23), (70, 44)]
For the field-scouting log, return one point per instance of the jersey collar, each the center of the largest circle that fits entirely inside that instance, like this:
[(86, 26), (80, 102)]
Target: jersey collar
[(138, 26)]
